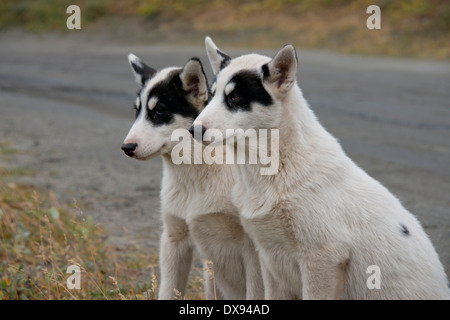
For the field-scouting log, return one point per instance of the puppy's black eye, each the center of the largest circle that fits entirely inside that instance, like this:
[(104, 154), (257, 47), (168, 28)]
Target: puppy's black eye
[(235, 99), (158, 112)]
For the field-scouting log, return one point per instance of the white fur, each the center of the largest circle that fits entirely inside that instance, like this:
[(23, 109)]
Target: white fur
[(197, 212), (321, 221)]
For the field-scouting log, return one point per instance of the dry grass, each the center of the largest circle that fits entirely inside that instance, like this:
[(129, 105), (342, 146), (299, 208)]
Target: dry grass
[(40, 238)]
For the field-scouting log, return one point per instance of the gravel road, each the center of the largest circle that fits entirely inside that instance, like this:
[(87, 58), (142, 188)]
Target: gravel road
[(65, 104)]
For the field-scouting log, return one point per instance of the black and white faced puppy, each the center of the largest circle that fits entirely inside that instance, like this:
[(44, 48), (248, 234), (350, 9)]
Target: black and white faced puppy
[(167, 100), (249, 91)]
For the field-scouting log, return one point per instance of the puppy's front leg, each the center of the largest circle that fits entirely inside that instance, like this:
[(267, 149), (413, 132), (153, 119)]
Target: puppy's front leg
[(273, 289), (253, 276), (323, 273), (175, 257)]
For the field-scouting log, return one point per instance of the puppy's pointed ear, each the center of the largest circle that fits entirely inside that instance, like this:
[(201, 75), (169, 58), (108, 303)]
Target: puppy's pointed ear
[(194, 82), (142, 72), (217, 58), (280, 73)]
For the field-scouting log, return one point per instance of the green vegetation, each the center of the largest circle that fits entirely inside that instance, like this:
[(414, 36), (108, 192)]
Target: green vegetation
[(47, 14), (40, 238), (419, 28)]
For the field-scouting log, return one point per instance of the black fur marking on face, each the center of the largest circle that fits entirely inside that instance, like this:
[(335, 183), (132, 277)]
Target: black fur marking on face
[(171, 100), (404, 229), (248, 89), (225, 61)]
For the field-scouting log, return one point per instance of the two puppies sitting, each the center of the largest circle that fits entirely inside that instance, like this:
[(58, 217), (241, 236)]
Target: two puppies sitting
[(308, 231)]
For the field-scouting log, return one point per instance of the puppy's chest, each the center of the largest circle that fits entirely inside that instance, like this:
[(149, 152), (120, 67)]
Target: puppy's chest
[(273, 231), (216, 229), (188, 202)]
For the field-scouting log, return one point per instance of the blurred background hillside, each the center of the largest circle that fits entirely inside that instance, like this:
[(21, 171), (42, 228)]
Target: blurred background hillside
[(409, 28)]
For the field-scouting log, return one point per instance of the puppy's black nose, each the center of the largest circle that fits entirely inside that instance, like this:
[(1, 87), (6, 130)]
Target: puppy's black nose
[(129, 148), (197, 132)]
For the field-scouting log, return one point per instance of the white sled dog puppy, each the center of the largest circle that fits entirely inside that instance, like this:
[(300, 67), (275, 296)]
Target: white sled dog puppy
[(321, 225), (195, 198)]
